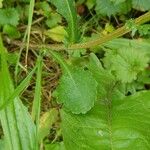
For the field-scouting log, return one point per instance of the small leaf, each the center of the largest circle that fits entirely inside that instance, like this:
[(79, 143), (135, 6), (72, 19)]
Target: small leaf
[(9, 16), (142, 5), (11, 31), (1, 3), (46, 122), (69, 13), (108, 7), (126, 63), (57, 34), (77, 88)]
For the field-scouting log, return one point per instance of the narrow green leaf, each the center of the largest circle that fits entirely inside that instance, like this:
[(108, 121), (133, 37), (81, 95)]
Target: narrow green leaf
[(37, 99), (67, 9), (77, 88), (20, 88), (19, 130)]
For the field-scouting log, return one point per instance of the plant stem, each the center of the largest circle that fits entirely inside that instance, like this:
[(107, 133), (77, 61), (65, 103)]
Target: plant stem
[(91, 43)]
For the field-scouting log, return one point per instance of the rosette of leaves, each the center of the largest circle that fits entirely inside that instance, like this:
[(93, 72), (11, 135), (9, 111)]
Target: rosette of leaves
[(125, 63)]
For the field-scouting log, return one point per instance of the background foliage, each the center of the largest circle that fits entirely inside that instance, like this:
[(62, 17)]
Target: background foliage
[(78, 98)]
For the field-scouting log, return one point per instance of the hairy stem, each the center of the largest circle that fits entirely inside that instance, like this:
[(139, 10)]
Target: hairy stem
[(91, 43)]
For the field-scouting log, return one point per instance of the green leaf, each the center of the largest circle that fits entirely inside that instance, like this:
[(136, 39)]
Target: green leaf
[(67, 9), (18, 128), (1, 3), (57, 34), (11, 31), (125, 63), (108, 7), (2, 144), (119, 124), (53, 20), (9, 16), (142, 5), (55, 146), (77, 88), (140, 44), (106, 81), (46, 122)]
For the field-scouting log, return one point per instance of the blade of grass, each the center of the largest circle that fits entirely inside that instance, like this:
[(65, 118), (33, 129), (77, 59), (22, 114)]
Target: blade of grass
[(21, 49), (37, 99), (20, 88), (18, 127), (31, 9)]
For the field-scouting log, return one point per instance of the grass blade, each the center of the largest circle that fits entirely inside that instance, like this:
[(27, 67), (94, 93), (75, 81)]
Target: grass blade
[(37, 99), (18, 127)]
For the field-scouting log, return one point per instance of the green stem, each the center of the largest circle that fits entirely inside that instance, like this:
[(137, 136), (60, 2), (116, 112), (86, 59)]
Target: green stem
[(91, 43)]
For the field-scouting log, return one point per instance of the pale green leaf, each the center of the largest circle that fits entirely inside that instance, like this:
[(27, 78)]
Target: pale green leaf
[(46, 122), (1, 3), (57, 33), (125, 63), (108, 7), (118, 124), (142, 5), (77, 88), (67, 9)]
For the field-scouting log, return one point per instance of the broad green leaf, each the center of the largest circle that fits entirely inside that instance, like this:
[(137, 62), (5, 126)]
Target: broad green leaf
[(18, 128), (142, 5), (9, 16), (108, 7), (106, 81), (57, 34), (46, 122), (2, 144), (67, 9), (139, 44), (125, 63), (77, 88), (113, 124)]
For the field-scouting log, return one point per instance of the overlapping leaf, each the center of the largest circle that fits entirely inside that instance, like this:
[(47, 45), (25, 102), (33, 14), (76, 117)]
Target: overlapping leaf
[(77, 88), (112, 124), (126, 63)]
